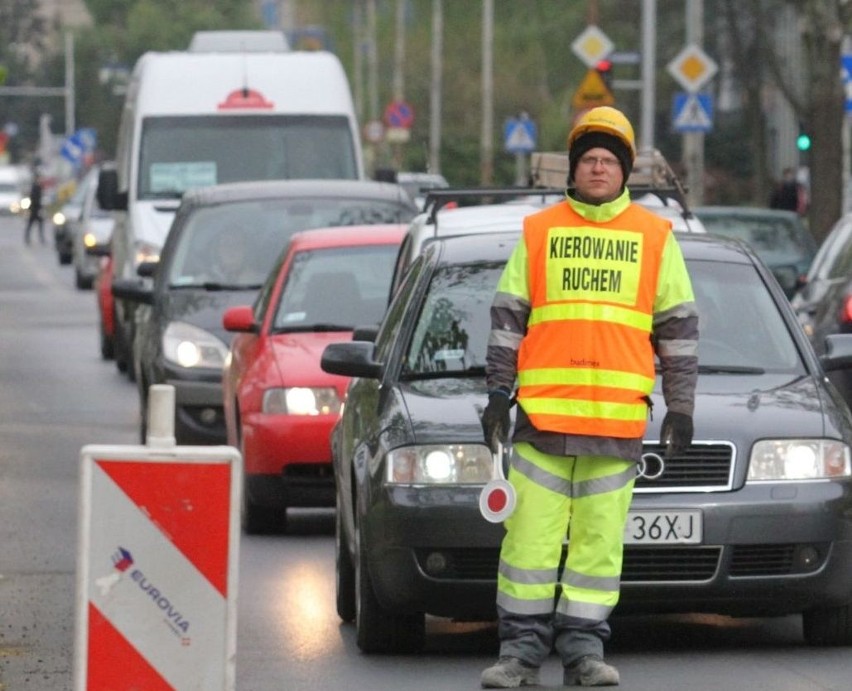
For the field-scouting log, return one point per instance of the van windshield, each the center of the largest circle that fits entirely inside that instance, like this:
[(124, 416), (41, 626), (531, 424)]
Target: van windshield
[(179, 153)]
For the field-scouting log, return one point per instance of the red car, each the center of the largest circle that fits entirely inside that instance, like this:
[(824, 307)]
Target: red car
[(106, 312), (279, 405)]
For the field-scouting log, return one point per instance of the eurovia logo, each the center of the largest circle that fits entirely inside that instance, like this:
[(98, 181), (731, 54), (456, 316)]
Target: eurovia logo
[(123, 563)]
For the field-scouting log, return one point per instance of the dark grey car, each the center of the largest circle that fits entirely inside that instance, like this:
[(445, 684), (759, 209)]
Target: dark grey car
[(179, 336), (755, 519)]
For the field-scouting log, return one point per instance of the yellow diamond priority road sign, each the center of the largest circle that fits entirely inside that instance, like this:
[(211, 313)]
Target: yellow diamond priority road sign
[(692, 68), (592, 45)]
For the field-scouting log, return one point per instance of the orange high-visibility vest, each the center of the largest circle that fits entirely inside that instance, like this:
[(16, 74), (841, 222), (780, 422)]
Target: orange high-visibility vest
[(586, 364)]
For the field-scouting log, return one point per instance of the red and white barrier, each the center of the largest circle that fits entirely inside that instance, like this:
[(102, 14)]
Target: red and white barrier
[(157, 563)]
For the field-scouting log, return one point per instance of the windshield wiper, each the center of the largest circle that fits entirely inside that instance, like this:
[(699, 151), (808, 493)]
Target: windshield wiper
[(164, 194), (729, 369), (308, 328), (214, 286), (473, 371)]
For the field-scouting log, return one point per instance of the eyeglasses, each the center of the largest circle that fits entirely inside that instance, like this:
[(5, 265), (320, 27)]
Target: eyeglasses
[(605, 161)]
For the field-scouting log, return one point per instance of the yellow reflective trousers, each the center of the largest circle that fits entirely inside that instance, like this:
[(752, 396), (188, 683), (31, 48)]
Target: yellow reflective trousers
[(587, 496)]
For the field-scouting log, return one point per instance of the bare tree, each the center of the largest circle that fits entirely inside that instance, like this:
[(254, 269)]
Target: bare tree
[(824, 24), (821, 24)]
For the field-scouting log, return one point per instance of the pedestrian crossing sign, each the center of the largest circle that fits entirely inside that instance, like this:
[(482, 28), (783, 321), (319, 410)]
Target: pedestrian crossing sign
[(692, 112), (519, 135)]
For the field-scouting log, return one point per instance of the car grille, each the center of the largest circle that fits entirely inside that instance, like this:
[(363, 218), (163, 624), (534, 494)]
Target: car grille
[(658, 564), (777, 560), (669, 564), (706, 466), (640, 564)]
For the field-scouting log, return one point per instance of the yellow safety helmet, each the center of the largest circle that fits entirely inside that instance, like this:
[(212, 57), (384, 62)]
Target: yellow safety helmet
[(607, 120)]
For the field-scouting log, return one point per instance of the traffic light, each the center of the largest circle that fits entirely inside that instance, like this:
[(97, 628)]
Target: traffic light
[(604, 69), (803, 141)]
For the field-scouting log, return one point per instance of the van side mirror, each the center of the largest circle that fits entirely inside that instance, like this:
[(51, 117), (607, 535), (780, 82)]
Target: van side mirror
[(109, 197)]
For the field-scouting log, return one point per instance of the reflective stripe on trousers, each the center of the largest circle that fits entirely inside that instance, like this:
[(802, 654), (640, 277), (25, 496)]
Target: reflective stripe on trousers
[(589, 495)]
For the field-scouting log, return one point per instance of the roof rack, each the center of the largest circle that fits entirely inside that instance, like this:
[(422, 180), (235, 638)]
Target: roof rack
[(436, 199), (651, 174)]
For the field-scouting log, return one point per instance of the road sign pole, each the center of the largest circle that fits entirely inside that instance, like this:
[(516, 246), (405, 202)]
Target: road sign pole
[(693, 142), (520, 169), (649, 57)]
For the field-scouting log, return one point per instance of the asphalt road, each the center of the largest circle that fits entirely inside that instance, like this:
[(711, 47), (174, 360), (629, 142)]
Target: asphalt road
[(57, 395)]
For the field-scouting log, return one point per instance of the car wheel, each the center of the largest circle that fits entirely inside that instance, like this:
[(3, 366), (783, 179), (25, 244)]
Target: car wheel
[(107, 345), (143, 416), (65, 258), (345, 572), (377, 630), (258, 519), (82, 282), (830, 626), (120, 346)]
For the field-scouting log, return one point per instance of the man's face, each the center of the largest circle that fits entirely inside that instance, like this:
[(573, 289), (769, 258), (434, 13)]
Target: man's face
[(598, 177)]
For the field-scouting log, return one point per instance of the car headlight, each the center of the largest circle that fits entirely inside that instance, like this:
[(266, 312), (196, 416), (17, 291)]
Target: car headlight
[(301, 400), (799, 459), (188, 346), (440, 464), (90, 240), (59, 219), (146, 252)]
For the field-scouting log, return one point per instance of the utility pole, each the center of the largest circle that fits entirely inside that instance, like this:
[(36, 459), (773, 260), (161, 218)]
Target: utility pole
[(359, 45), (649, 59), (70, 96), (487, 134), (372, 74), (399, 72), (693, 142), (435, 90)]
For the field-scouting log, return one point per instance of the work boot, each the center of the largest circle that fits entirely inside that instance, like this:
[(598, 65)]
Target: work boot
[(509, 673), (590, 670)]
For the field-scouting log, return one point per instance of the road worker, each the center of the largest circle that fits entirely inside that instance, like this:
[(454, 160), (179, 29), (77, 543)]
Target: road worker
[(595, 287)]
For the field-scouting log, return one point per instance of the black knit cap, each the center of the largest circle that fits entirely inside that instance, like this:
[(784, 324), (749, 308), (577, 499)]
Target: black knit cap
[(593, 140)]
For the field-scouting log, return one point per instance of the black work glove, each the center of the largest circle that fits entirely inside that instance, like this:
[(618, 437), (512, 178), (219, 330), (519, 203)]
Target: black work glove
[(495, 419), (676, 433)]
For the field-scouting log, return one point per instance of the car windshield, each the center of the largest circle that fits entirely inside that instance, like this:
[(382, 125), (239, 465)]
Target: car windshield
[(776, 240), (740, 324), (178, 153), (742, 330), (452, 330), (236, 244), (340, 287)]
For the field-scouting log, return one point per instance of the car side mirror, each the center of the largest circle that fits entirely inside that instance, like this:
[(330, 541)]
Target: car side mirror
[(132, 290), (109, 197), (787, 277), (239, 319), (99, 250), (351, 359), (838, 352)]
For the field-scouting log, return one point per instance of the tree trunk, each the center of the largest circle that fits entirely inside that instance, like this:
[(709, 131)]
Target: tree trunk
[(823, 29)]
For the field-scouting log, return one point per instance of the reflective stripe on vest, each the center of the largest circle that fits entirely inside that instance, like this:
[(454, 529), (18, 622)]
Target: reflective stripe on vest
[(586, 364)]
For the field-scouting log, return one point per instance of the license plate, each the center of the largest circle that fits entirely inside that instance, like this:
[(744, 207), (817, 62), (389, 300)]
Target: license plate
[(663, 528)]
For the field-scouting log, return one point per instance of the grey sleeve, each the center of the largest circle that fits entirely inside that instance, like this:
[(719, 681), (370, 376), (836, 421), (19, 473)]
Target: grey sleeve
[(509, 314)]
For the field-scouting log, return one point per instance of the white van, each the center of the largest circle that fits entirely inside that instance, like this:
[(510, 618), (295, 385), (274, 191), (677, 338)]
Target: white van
[(198, 118)]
